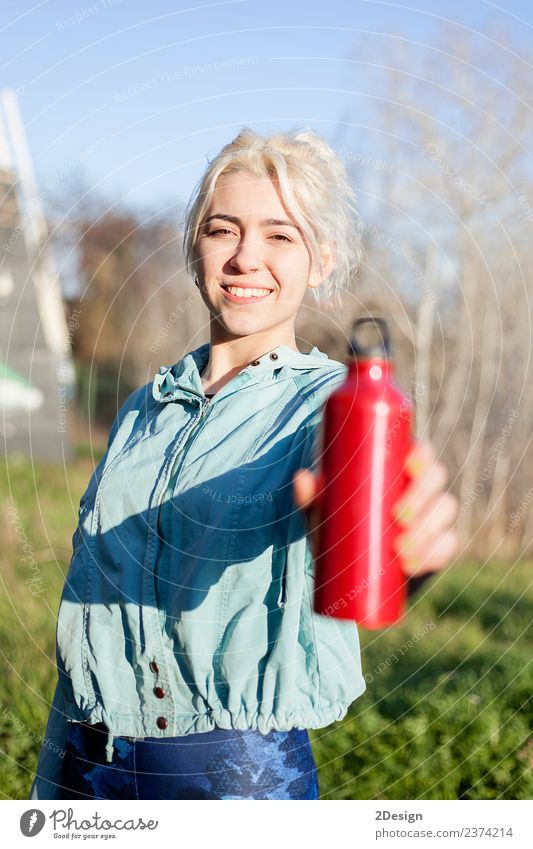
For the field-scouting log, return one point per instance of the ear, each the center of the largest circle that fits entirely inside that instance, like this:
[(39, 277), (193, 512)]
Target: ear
[(328, 259)]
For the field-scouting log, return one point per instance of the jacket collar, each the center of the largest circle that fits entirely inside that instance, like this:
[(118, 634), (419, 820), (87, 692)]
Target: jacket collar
[(183, 378)]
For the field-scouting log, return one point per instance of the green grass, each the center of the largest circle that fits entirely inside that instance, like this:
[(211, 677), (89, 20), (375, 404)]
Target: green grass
[(449, 716), (447, 713), (38, 512)]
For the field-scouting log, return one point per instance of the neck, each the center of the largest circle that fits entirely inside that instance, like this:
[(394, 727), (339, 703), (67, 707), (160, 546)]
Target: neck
[(229, 355)]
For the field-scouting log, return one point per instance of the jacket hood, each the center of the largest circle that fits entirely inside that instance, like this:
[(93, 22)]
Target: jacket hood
[(183, 378)]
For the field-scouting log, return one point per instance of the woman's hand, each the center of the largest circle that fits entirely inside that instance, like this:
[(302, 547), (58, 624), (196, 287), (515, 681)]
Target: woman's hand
[(425, 512)]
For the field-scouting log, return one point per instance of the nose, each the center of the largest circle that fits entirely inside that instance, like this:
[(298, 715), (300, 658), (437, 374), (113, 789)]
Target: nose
[(246, 257)]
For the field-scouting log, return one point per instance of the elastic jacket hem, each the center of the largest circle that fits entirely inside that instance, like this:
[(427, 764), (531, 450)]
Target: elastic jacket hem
[(242, 720)]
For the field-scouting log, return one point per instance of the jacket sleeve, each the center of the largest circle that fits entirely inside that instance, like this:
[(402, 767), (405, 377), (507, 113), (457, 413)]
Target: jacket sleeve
[(47, 782), (416, 582)]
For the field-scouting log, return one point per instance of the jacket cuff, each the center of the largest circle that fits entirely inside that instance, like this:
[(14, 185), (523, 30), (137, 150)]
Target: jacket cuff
[(415, 583)]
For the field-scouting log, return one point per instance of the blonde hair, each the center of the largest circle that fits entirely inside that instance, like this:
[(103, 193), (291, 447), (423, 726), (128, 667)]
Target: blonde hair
[(314, 187)]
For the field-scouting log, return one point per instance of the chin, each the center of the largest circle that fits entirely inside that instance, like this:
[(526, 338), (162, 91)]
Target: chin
[(243, 328)]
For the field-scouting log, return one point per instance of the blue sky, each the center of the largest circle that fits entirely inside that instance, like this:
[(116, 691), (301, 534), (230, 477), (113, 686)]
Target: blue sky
[(136, 95)]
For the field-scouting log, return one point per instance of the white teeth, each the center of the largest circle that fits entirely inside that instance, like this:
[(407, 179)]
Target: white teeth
[(248, 293)]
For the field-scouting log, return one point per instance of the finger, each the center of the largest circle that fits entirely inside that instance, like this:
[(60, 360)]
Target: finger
[(440, 551), (437, 517), (305, 487), (415, 497), (421, 455)]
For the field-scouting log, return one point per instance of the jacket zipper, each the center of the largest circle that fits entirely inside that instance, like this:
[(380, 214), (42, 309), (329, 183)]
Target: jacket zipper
[(205, 402), (157, 564), (282, 596)]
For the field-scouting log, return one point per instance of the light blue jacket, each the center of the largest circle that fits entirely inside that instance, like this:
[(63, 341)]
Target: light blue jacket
[(188, 601)]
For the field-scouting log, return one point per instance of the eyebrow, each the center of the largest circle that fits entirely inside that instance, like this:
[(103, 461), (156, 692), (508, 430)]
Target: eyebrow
[(266, 222)]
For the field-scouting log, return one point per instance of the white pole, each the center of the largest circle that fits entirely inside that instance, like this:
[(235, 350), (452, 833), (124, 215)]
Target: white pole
[(33, 217), (35, 228), (6, 163)]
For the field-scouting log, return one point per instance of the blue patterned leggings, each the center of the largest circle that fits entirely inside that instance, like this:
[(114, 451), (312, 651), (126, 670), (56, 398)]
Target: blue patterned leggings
[(217, 764)]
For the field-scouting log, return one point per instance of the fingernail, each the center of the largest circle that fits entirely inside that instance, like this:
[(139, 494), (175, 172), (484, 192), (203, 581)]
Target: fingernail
[(415, 466), (402, 546), (403, 513), (409, 564)]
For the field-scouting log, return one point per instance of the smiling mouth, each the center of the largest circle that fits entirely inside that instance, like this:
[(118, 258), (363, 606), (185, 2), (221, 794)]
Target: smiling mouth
[(238, 293)]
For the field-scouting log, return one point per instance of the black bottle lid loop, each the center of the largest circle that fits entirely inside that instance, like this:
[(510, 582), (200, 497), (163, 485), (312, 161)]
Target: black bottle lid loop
[(380, 341)]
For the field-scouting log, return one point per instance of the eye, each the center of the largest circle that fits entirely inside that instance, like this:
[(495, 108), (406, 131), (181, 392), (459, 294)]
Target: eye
[(282, 237), (219, 230)]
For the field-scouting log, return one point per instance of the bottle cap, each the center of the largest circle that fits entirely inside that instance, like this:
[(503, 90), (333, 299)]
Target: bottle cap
[(370, 341)]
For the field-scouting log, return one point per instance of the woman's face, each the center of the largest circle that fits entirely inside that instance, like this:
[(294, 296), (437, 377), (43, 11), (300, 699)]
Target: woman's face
[(253, 263)]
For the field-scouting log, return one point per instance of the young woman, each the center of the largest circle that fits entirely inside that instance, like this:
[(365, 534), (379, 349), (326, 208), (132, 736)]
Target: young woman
[(190, 661)]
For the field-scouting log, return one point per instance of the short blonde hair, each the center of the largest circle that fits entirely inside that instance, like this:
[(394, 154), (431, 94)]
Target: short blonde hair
[(314, 187)]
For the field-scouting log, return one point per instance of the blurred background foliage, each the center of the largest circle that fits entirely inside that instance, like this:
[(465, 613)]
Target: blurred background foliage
[(443, 179)]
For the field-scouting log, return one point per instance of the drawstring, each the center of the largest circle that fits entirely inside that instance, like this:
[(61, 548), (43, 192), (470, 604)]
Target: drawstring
[(282, 595), (109, 747)]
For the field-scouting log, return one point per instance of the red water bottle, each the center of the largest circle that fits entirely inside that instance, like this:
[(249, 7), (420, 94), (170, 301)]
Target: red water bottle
[(366, 436)]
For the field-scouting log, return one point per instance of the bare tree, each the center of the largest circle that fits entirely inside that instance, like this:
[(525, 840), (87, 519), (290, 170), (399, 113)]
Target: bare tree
[(446, 185), (136, 309)]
